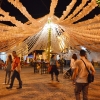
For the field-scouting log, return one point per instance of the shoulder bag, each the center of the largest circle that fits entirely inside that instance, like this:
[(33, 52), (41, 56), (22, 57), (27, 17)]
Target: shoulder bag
[(90, 77)]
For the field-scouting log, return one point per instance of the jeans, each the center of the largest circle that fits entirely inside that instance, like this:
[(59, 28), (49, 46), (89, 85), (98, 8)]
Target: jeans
[(81, 87), (8, 74), (15, 75), (54, 70)]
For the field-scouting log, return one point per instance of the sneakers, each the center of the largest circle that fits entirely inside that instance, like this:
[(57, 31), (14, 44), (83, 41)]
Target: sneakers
[(57, 80), (19, 87), (8, 87), (11, 88)]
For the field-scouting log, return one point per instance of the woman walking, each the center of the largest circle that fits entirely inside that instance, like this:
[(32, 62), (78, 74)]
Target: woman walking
[(54, 69), (8, 69), (72, 63)]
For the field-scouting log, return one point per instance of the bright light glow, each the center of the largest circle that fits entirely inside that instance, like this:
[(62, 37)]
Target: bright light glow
[(49, 25), (2, 53), (61, 42), (83, 48)]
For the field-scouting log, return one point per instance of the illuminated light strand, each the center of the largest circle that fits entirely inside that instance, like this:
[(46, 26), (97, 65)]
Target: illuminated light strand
[(84, 42), (9, 18), (23, 10), (68, 9), (73, 32), (52, 7), (85, 11), (89, 21), (77, 9)]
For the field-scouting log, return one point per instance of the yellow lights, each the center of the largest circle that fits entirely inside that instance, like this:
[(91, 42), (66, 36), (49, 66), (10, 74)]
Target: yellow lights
[(47, 50), (61, 42)]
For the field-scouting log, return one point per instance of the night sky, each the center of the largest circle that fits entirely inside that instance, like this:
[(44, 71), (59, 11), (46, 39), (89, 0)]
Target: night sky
[(39, 8)]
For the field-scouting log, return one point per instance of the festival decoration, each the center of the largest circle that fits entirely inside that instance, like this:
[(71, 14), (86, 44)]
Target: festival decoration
[(64, 31)]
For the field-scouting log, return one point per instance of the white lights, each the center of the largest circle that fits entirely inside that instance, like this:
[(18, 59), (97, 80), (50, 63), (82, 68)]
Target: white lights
[(81, 33), (83, 48)]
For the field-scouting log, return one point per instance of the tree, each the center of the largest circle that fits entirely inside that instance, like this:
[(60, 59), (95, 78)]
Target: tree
[(98, 2)]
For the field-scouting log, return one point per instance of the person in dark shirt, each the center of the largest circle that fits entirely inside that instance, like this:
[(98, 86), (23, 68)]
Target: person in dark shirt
[(54, 69)]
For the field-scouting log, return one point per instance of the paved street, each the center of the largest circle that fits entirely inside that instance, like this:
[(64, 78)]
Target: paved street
[(40, 87)]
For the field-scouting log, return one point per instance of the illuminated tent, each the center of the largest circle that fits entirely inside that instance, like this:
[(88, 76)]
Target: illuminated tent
[(65, 33)]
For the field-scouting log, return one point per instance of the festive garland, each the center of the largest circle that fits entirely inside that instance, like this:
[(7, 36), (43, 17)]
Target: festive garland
[(32, 35)]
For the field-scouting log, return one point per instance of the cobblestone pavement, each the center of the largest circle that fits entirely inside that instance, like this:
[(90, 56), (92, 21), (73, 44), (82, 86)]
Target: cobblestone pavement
[(39, 87)]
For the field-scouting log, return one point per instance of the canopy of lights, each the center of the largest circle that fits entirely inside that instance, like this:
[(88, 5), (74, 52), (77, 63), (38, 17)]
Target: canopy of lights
[(64, 33)]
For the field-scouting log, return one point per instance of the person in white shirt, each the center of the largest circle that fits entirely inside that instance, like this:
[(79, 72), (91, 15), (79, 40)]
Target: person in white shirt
[(73, 59), (80, 75), (72, 63)]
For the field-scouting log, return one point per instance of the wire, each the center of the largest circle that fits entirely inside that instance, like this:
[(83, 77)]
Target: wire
[(45, 5)]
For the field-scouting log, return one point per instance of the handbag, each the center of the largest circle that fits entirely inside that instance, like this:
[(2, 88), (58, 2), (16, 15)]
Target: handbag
[(90, 77), (49, 68)]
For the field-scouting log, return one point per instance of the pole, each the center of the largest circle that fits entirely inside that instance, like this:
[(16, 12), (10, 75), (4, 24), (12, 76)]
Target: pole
[(49, 43), (49, 40)]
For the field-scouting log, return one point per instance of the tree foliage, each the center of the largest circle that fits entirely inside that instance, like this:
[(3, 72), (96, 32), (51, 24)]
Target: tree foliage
[(98, 2)]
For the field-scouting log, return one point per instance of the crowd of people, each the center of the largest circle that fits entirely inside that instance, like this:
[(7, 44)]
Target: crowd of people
[(78, 68), (79, 73), (12, 68)]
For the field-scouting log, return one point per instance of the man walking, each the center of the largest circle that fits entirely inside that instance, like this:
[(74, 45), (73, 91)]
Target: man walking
[(80, 75), (16, 68)]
